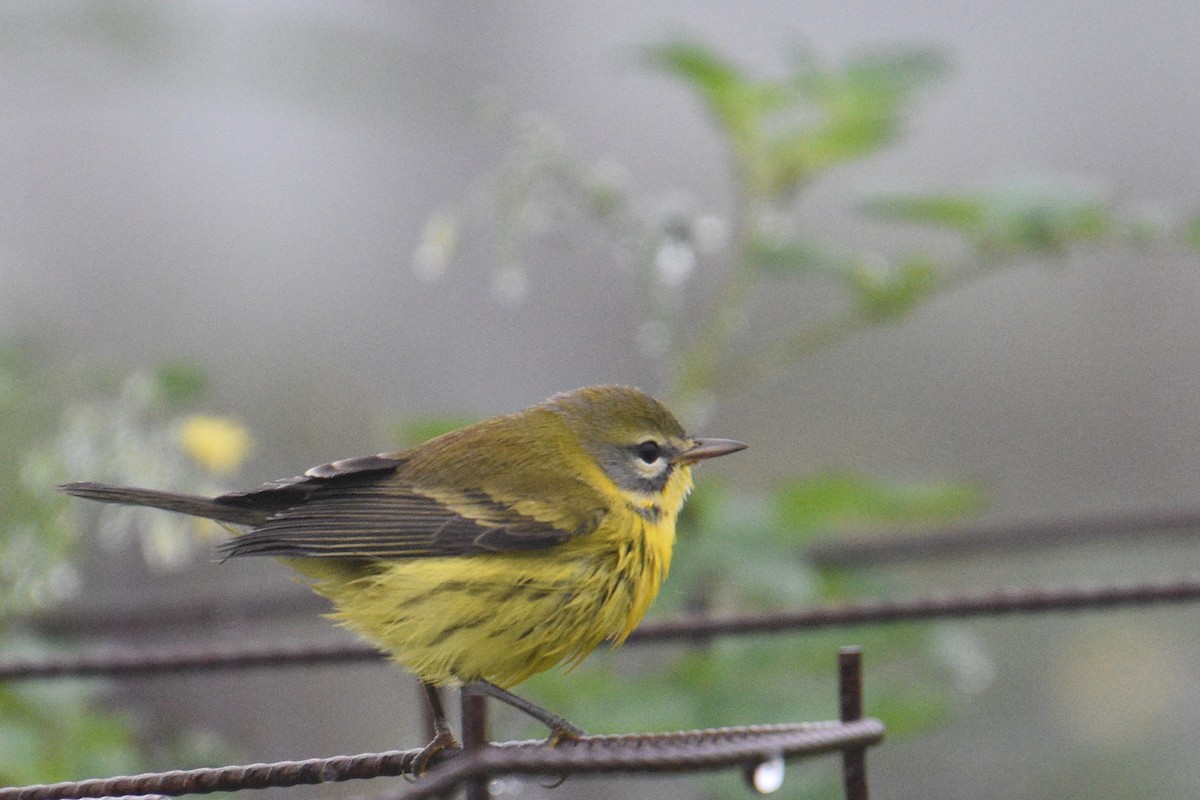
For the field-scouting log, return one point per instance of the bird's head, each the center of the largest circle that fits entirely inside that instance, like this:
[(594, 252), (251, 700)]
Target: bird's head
[(636, 441)]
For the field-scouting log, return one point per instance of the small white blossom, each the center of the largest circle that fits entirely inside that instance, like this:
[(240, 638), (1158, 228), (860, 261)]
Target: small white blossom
[(674, 261), (510, 285)]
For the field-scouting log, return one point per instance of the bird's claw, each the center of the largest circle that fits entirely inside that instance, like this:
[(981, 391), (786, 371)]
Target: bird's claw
[(442, 740), (562, 732), (565, 732)]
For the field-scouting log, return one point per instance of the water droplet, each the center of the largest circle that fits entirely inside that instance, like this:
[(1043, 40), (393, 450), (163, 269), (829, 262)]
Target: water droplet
[(506, 785), (766, 777)]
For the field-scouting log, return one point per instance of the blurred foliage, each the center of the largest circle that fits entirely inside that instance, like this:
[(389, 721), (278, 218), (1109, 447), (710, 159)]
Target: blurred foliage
[(1191, 233), (35, 534), (140, 432), (784, 133), (742, 550), (54, 733)]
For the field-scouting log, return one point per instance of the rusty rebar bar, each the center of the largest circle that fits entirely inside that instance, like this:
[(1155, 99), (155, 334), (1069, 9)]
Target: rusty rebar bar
[(660, 753), (292, 601), (109, 661), (873, 612), (225, 779), (241, 655), (965, 540), (682, 751)]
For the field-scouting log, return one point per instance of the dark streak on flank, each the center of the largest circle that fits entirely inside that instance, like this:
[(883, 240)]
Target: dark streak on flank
[(448, 586), (446, 633), (512, 591)]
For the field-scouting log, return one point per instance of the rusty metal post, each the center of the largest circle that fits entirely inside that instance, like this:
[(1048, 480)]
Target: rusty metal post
[(850, 709), (474, 729)]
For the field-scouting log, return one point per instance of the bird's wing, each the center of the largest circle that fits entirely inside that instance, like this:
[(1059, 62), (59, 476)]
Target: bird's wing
[(359, 509)]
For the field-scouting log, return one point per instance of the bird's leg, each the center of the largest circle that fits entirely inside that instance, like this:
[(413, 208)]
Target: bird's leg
[(560, 727), (443, 736)]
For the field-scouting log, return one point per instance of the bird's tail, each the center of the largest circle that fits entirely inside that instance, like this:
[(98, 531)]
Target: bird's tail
[(196, 506)]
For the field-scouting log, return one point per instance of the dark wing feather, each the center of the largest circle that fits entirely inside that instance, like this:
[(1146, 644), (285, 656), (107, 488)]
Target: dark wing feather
[(287, 492), (381, 519)]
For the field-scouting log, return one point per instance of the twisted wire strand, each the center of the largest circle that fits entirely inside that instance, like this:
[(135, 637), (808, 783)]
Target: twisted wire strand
[(680, 751), (240, 655)]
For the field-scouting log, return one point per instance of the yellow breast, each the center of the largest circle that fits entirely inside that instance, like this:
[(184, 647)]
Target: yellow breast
[(504, 617)]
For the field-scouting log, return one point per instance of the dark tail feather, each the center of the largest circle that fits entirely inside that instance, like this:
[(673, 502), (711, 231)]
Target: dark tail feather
[(196, 506)]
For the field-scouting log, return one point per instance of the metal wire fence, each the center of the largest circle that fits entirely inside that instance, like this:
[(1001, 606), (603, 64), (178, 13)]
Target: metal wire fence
[(750, 748)]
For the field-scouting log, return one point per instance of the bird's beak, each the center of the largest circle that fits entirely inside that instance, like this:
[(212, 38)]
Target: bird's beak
[(710, 448)]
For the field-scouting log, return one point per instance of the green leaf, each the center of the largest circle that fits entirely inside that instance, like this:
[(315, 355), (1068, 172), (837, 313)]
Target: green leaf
[(781, 255), (52, 734), (962, 212), (694, 63), (726, 557), (894, 293), (735, 102), (1023, 221), (898, 72), (843, 115), (180, 381), (1191, 233), (1007, 220), (839, 500), (783, 132), (907, 710)]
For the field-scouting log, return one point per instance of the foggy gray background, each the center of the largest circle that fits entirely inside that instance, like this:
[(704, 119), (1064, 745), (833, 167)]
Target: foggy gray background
[(245, 184)]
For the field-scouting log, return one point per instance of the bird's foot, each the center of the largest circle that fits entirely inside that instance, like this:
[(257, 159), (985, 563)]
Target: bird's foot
[(442, 740), (564, 731)]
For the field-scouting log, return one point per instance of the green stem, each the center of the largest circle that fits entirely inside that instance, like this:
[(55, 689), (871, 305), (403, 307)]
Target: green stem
[(700, 364), (785, 353)]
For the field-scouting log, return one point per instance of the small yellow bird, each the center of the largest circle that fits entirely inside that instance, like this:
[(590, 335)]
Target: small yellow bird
[(488, 554)]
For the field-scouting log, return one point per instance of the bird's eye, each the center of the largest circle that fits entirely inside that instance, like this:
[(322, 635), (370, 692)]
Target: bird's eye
[(649, 451)]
